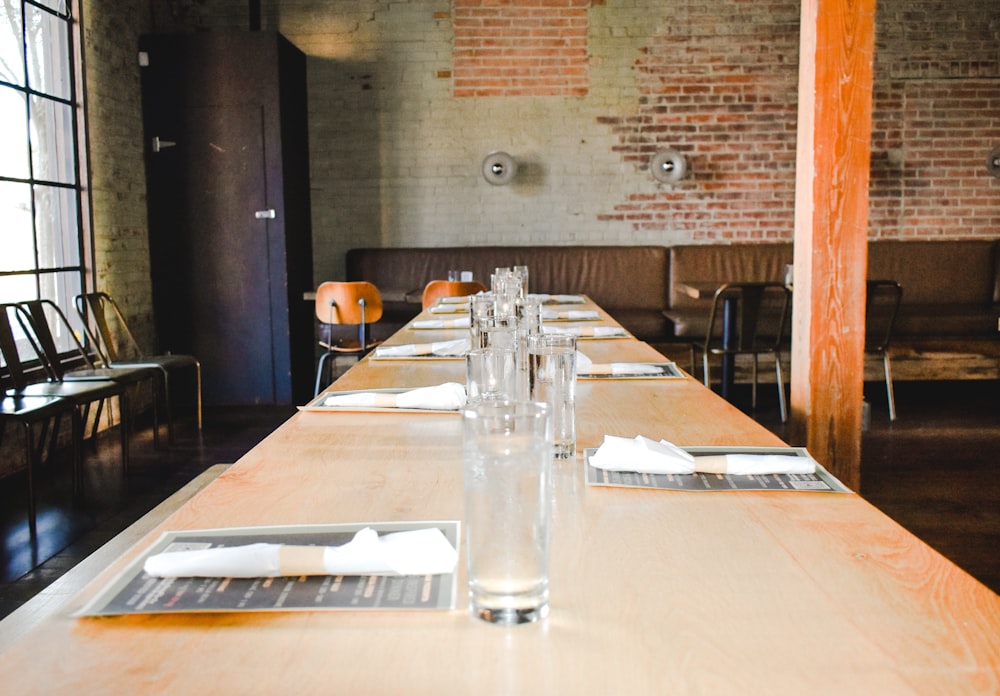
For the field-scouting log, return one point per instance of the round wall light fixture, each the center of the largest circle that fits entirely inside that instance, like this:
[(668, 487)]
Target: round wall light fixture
[(993, 162), (499, 168), (668, 166)]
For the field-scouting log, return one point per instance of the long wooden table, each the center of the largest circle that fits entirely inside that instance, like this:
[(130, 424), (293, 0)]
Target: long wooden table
[(652, 592)]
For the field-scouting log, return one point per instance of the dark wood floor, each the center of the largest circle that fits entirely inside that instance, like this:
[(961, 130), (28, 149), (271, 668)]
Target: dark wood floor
[(935, 471)]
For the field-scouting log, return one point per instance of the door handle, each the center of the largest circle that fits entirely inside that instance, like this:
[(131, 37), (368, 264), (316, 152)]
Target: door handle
[(265, 214), (160, 144)]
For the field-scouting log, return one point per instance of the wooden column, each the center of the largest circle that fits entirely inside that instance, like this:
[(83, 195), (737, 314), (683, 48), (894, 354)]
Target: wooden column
[(831, 231)]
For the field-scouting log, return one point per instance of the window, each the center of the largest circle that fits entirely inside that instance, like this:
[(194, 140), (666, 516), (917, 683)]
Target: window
[(41, 207)]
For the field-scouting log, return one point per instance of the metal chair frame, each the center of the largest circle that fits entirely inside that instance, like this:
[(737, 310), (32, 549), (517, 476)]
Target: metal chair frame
[(352, 303), (59, 370), (879, 327), (98, 310), (735, 328), (29, 402)]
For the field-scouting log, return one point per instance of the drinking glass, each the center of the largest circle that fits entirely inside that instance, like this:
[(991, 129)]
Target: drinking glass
[(489, 374), (507, 460), (552, 380)]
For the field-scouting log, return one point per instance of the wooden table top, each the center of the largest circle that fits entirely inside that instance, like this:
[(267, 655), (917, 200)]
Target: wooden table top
[(652, 592)]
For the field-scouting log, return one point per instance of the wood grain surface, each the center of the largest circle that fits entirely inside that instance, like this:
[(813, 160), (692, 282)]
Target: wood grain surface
[(653, 592)]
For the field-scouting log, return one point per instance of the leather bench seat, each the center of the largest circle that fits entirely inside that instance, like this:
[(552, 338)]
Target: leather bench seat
[(630, 282)]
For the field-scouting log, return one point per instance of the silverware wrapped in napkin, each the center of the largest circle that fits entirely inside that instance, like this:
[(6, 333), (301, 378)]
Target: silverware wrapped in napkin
[(459, 323), (585, 366), (415, 552), (449, 396), (546, 298), (455, 348), (645, 456), (450, 307), (587, 331), (570, 315)]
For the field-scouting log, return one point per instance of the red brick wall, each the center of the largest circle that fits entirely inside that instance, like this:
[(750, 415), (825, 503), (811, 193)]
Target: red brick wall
[(520, 48), (936, 117), (720, 88)]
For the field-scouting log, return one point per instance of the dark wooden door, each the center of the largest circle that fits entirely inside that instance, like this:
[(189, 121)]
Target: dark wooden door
[(224, 117), (206, 184)]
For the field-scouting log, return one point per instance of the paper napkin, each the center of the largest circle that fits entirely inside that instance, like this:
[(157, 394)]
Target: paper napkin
[(449, 396), (457, 347), (416, 552), (570, 315), (587, 331), (460, 323), (450, 307), (585, 366), (646, 456), (557, 299)]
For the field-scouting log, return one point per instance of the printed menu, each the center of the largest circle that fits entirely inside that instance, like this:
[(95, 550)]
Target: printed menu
[(135, 592)]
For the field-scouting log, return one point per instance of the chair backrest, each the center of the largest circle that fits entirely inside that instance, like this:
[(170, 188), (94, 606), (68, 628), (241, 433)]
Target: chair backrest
[(354, 303), (881, 308), (13, 367), (436, 289), (106, 327), (762, 317), (42, 315)]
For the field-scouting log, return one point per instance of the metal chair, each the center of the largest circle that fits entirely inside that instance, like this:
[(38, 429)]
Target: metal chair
[(80, 365), (27, 411), (27, 396), (353, 303), (436, 289), (881, 308), (105, 326), (747, 319)]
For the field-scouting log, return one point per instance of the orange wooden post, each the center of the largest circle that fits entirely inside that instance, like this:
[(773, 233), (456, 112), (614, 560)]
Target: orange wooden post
[(831, 230)]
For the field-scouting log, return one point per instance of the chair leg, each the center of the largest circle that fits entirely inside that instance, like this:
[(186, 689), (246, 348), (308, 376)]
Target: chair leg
[(320, 372), (197, 387), (77, 427), (125, 424), (782, 406), (704, 369), (887, 368), (29, 451), (753, 388), (155, 387)]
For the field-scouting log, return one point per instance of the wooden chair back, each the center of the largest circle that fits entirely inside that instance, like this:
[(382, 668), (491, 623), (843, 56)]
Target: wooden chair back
[(353, 303)]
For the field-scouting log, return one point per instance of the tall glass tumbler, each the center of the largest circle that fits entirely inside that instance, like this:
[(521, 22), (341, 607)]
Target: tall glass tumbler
[(522, 273), (552, 380), (490, 373), (507, 460)]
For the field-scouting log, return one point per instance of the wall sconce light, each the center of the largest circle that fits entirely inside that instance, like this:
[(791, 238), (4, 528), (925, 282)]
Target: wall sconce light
[(993, 162), (499, 168), (668, 166)]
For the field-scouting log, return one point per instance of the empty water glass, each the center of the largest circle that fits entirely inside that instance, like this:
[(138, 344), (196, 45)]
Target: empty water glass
[(552, 380), (490, 375)]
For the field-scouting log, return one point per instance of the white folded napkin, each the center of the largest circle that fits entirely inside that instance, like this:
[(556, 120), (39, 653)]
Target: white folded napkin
[(646, 456), (557, 299), (587, 331), (460, 299), (585, 366), (449, 307), (449, 396), (457, 347), (460, 323), (416, 552), (570, 315)]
